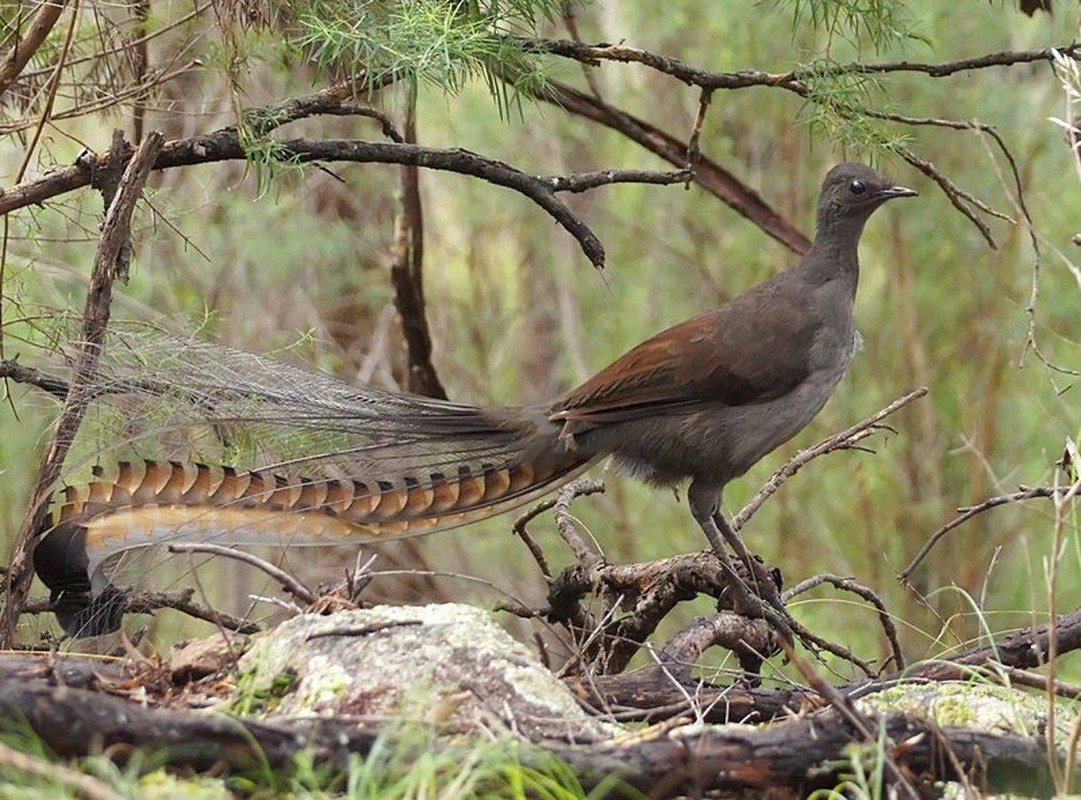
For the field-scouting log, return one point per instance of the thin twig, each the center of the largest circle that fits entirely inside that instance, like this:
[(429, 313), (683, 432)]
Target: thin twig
[(708, 174), (289, 583), (588, 73), (849, 585), (694, 155), (954, 193), (519, 526), (106, 100), (1034, 680), (534, 549), (123, 43), (115, 231), (965, 513), (565, 522), (845, 440), (28, 43)]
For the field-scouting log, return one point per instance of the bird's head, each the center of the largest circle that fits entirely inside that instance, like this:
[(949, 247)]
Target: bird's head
[(851, 192)]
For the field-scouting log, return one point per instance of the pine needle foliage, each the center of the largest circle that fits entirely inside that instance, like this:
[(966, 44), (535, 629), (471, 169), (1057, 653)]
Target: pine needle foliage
[(879, 23), (837, 110), (445, 44)]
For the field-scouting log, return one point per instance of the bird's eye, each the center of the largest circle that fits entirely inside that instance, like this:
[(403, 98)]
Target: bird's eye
[(857, 187)]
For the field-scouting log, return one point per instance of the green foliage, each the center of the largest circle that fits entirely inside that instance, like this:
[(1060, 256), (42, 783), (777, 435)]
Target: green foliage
[(880, 23), (249, 699), (408, 762), (439, 43), (836, 110), (868, 764)]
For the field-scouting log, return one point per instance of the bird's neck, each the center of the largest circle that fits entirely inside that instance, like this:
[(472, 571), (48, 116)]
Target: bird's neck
[(834, 254)]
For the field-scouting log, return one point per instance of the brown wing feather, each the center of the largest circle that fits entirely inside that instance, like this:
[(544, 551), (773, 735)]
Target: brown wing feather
[(699, 361)]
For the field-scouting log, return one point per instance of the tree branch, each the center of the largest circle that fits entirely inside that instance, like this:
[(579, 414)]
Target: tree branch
[(23, 50), (226, 144), (115, 231), (288, 583), (596, 53), (803, 754), (845, 440), (708, 174), (965, 513)]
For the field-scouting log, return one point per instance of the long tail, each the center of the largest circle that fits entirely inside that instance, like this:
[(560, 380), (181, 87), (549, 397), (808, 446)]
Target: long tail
[(364, 466)]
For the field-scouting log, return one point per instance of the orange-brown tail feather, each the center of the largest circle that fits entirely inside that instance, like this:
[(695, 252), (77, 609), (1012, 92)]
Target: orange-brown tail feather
[(168, 501)]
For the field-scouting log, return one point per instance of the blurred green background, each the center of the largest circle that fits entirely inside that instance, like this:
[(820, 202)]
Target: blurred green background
[(259, 257)]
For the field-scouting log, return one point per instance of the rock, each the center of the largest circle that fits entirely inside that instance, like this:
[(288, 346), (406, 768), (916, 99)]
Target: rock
[(449, 666)]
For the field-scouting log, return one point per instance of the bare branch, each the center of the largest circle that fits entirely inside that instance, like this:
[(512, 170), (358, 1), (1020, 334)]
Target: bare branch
[(24, 48), (957, 196), (142, 602), (584, 181), (694, 155), (708, 174), (334, 100), (966, 513), (796, 82), (565, 522), (845, 440), (226, 145), (582, 489), (692, 76), (849, 585), (115, 231), (752, 640), (10, 368), (287, 581)]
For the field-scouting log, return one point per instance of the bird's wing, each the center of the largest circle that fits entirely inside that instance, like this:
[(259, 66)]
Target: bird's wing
[(735, 355)]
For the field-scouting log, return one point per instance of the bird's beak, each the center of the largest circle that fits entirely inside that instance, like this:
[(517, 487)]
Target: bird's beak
[(897, 191)]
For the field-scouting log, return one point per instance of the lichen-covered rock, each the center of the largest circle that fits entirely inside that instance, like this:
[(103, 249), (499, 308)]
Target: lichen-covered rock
[(447, 665), (983, 707)]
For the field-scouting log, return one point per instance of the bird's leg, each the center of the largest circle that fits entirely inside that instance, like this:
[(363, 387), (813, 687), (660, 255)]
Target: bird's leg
[(764, 585), (704, 502), (705, 507)]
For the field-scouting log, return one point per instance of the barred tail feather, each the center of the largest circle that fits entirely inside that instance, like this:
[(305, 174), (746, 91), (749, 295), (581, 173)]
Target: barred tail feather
[(161, 502)]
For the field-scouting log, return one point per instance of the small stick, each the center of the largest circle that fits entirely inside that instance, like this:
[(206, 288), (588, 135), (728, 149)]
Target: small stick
[(844, 440), (849, 585), (287, 581), (965, 513)]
